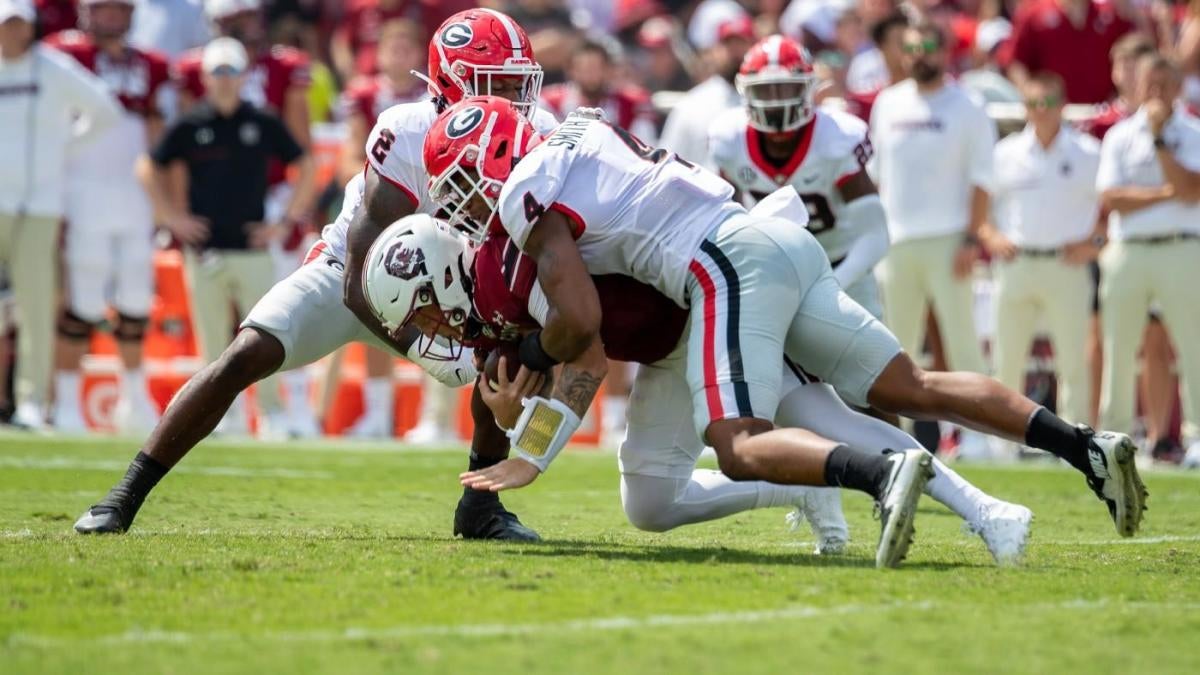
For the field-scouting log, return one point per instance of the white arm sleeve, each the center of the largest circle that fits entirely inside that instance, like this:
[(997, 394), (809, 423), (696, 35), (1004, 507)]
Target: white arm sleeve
[(864, 214), (539, 304)]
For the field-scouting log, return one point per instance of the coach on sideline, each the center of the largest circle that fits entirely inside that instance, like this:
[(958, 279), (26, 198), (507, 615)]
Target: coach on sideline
[(48, 102), (224, 146), (1047, 211), (933, 165), (1149, 179)]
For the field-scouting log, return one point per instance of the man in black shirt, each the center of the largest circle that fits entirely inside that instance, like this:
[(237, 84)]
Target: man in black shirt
[(225, 147)]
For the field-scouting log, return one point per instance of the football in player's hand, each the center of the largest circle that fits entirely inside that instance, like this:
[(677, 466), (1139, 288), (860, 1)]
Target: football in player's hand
[(512, 362)]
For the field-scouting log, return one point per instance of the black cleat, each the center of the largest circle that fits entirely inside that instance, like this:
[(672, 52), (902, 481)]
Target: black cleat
[(490, 520), (102, 519)]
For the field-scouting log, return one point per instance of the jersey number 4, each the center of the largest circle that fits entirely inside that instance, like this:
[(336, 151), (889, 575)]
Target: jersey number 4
[(639, 148)]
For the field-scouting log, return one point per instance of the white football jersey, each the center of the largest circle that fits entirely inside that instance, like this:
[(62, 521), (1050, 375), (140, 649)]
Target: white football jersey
[(394, 152), (833, 147), (637, 211)]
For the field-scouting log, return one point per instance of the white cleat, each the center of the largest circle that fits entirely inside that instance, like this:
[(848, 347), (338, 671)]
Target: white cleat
[(897, 508), (1004, 528), (1115, 480), (822, 508), (371, 426)]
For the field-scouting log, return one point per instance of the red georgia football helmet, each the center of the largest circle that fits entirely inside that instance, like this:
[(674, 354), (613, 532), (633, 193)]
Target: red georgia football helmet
[(469, 153), (475, 46), (777, 81)]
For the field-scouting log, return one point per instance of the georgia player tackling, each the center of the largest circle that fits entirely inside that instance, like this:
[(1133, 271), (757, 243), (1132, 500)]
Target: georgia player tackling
[(311, 313), (779, 137), (418, 274), (591, 199)]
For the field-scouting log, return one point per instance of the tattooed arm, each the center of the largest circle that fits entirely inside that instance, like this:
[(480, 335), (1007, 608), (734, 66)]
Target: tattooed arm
[(570, 334)]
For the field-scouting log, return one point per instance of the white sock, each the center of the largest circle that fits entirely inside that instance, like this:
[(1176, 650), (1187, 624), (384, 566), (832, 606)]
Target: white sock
[(67, 389), (952, 490), (133, 383), (295, 383), (378, 396)]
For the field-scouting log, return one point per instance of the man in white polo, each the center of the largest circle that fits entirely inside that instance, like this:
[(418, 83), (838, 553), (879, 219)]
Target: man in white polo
[(1149, 179), (1046, 212), (933, 165)]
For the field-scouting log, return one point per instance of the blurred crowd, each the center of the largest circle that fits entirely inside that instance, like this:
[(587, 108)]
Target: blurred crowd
[(130, 126)]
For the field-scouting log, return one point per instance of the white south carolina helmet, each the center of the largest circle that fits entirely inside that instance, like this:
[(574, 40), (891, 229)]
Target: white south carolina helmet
[(415, 262)]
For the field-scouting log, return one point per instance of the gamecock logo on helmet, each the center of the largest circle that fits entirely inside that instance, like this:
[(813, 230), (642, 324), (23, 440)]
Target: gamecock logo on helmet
[(404, 262), (457, 35), (464, 121)]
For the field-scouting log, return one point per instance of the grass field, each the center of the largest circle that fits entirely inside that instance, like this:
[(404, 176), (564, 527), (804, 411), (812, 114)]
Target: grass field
[(304, 558)]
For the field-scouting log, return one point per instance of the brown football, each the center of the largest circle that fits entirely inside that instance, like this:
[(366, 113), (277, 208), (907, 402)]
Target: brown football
[(512, 359)]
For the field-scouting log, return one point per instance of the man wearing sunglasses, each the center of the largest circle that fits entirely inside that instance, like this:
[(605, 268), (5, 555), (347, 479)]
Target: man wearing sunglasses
[(1149, 179), (1046, 231), (933, 167)]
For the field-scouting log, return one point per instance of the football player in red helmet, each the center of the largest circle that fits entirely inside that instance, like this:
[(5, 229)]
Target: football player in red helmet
[(592, 199), (466, 177), (321, 306), (482, 52)]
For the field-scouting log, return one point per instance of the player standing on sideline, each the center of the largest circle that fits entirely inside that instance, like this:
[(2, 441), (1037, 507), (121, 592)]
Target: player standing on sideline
[(661, 488), (781, 138), (110, 224), (308, 315), (758, 288), (1149, 179)]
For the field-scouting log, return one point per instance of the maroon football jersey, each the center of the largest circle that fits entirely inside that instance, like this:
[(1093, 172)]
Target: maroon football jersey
[(638, 323)]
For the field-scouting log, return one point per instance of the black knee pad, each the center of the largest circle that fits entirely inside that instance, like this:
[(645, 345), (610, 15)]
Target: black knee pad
[(130, 328), (73, 327)]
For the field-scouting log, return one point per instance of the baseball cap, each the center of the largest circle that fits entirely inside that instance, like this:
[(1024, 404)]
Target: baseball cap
[(223, 52), (715, 20), (21, 9), (991, 33)]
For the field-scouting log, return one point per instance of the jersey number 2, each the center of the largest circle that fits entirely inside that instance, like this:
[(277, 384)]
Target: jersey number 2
[(383, 145)]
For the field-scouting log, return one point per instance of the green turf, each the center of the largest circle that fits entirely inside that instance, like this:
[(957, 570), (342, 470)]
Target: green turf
[(300, 559)]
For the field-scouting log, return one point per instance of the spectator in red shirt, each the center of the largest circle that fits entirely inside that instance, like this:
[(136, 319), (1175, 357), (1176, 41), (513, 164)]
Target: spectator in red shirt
[(401, 50), (592, 83), (356, 40), (1071, 38)]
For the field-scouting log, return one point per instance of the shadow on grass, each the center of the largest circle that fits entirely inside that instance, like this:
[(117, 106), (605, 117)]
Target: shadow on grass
[(707, 555)]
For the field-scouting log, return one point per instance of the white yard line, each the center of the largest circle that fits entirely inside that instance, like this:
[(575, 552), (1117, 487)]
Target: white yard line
[(587, 624), (42, 462)]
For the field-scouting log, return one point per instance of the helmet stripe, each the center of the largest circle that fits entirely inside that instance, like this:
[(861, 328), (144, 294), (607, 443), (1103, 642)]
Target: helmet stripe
[(510, 27), (772, 48)]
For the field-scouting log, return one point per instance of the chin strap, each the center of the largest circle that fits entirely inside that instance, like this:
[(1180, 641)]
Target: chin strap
[(543, 430)]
